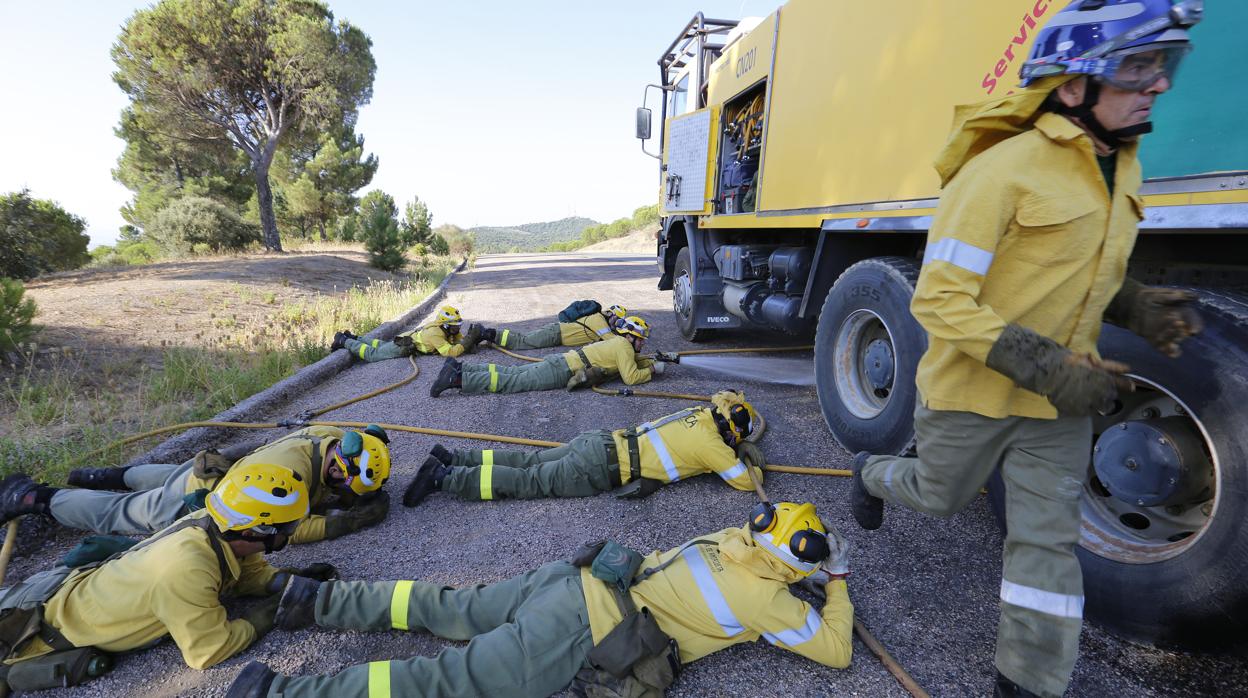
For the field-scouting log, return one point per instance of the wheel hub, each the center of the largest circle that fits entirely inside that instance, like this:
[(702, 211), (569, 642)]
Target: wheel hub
[(1152, 462), (682, 295), (878, 363)]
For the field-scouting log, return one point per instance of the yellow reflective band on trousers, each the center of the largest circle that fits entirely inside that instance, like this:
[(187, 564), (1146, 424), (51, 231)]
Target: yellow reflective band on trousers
[(376, 343), (363, 348), (493, 378), (379, 679), (506, 334), (487, 474), (399, 600)]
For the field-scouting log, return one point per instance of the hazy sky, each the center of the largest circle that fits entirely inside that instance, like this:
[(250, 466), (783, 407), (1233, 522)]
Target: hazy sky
[(493, 111)]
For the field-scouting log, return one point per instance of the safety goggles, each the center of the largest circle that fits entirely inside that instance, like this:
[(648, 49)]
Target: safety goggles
[(1136, 70), (347, 453), (287, 529)]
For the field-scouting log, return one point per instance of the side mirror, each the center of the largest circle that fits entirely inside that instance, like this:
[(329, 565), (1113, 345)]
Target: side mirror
[(643, 123)]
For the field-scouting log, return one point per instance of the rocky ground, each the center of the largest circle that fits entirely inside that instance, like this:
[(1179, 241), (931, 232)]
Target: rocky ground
[(927, 588)]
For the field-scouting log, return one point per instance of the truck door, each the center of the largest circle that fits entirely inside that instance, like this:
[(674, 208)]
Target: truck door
[(688, 165)]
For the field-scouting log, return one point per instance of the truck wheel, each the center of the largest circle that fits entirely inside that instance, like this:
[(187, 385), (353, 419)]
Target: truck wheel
[(683, 299), (1163, 547), (867, 348)]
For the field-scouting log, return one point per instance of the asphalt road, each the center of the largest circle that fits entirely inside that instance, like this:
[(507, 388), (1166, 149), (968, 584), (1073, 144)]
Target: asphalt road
[(926, 587)]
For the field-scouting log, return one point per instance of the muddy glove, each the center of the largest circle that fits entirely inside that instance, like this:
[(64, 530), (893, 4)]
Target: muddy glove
[(669, 357), (262, 614), (587, 377), (1162, 316), (836, 565), (403, 341), (1076, 384), (369, 510), (752, 456), (472, 337)]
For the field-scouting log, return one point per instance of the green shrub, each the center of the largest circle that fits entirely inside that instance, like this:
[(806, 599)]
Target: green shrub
[(16, 315), (196, 222), (438, 245), (380, 231), (37, 236)]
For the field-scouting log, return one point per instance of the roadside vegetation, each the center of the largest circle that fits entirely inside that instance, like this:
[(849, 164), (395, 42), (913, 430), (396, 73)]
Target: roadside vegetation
[(59, 403)]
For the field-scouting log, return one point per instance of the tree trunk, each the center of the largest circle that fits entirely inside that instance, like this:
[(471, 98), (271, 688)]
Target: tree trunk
[(321, 223), (264, 195)]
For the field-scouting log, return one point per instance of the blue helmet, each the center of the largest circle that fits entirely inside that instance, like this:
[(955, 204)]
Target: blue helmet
[(1100, 37)]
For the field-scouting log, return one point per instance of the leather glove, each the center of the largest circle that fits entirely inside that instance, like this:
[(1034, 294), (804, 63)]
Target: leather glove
[(587, 377), (658, 368), (472, 337), (1162, 316), (1076, 384), (836, 565), (369, 510), (752, 456), (320, 571), (670, 357), (403, 341), (261, 616)]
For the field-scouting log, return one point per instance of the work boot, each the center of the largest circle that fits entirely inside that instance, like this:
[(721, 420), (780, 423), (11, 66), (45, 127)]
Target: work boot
[(451, 376), (99, 478), (19, 495), (868, 509), (427, 481), (297, 607), (489, 334), (340, 340), (442, 453), (252, 682), (1006, 688)]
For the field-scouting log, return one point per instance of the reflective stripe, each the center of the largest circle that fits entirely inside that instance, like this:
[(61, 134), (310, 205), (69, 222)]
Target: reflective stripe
[(506, 333), (711, 594), (796, 636), (959, 254), (363, 348), (376, 343), (782, 551), (604, 331), (487, 474), (888, 476), (1041, 601), (399, 600), (379, 679), (493, 378), (734, 472), (660, 448)]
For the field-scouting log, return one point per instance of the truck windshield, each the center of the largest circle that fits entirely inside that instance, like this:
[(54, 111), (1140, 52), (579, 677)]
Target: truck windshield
[(680, 97)]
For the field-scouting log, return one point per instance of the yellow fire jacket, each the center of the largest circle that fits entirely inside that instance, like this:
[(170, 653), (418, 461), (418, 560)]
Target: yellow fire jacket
[(718, 596), (613, 354), (586, 330), (1026, 233), (684, 444), (294, 451), (433, 340), (171, 587)]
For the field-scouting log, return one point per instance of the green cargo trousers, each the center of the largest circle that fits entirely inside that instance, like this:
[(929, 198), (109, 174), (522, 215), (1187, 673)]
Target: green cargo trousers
[(548, 336), (528, 636), (581, 468), (155, 502), (371, 350), (1044, 463), (549, 373)]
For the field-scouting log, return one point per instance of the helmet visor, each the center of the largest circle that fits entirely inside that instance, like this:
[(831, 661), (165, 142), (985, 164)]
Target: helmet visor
[(1140, 68)]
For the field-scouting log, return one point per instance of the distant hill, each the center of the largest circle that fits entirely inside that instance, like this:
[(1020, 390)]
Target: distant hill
[(530, 236)]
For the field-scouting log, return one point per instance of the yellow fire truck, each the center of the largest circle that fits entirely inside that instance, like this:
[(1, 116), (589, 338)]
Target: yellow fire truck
[(796, 190)]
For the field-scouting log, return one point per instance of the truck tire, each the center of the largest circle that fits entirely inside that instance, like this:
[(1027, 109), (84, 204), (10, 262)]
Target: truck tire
[(1173, 576), (867, 348), (684, 304)]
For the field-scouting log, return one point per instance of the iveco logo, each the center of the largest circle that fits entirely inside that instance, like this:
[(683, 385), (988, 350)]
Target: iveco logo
[(719, 319)]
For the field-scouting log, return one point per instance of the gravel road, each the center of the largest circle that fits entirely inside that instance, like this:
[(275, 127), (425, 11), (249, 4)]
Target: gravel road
[(926, 587)]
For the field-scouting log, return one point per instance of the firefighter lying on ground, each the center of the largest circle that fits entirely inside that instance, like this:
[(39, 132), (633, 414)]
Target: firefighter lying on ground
[(442, 337), (583, 322), (576, 624), (59, 626), (690, 442), (350, 464), (589, 365)]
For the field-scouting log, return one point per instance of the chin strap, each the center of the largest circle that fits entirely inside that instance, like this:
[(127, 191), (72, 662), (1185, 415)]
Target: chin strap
[(1084, 114)]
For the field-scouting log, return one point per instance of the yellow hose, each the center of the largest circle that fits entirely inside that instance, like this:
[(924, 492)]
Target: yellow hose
[(374, 393), (6, 552)]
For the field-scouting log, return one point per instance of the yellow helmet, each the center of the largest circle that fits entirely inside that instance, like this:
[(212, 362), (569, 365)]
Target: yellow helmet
[(365, 457), (256, 495), (738, 416), (449, 319), (618, 311), (792, 533), (635, 326)]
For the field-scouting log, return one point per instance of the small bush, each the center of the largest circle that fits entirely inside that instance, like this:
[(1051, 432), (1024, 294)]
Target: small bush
[(439, 246), (17, 314), (380, 231), (198, 223)]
